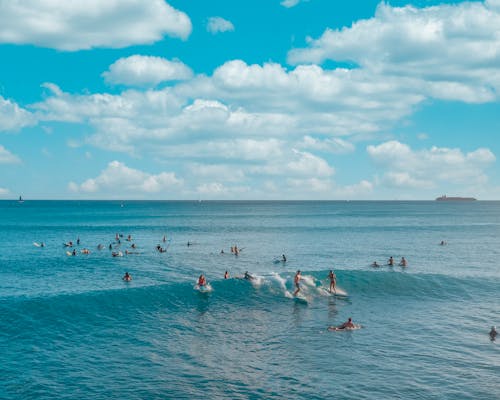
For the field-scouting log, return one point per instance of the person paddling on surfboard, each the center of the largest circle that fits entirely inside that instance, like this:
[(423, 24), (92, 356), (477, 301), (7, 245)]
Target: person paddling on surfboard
[(346, 325), (403, 262), (333, 281), (296, 281), (127, 277), (391, 261)]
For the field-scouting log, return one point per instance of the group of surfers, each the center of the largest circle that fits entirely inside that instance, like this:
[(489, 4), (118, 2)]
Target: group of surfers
[(390, 262), (202, 280)]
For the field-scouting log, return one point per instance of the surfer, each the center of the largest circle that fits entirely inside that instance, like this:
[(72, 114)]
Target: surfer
[(443, 243), (127, 277), (74, 252), (42, 244), (375, 264), (390, 261), (403, 262), (346, 325), (296, 281), (493, 333), (226, 275), (283, 258), (99, 246), (333, 281), (248, 277), (236, 251), (202, 281)]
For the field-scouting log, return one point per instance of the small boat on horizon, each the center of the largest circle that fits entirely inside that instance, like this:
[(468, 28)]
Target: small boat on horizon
[(21, 199), (446, 198)]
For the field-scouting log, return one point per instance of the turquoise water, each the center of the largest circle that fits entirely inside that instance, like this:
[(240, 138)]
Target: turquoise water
[(72, 329)]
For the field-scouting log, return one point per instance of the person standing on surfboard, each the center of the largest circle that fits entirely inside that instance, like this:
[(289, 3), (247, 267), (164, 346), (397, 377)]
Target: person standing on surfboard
[(296, 281), (333, 281)]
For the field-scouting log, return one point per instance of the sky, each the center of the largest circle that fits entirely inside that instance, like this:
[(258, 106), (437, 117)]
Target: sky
[(230, 100)]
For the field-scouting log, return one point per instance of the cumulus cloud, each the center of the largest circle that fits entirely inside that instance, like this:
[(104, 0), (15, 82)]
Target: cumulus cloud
[(6, 157), (13, 117), (4, 192), (140, 70), (424, 169), (453, 49), (71, 26), (290, 3), (218, 24), (120, 179)]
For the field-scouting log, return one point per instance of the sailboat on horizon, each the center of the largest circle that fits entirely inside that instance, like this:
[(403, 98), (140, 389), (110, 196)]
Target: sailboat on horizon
[(21, 199)]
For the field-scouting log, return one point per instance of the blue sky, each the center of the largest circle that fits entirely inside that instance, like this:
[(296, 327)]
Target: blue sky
[(270, 99)]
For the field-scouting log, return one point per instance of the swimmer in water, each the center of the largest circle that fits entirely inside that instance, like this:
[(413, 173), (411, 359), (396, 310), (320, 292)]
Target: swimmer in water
[(226, 275), (296, 281), (493, 333), (375, 264), (127, 277), (202, 281), (283, 258), (390, 261), (403, 262)]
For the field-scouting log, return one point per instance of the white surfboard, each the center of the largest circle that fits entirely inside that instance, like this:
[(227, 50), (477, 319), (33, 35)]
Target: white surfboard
[(203, 289)]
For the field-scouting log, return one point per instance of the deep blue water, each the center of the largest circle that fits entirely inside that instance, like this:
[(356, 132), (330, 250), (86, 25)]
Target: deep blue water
[(72, 329)]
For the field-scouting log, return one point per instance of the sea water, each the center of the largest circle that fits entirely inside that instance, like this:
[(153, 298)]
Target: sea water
[(71, 328)]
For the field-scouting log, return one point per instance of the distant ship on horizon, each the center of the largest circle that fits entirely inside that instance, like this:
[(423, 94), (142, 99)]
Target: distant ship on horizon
[(446, 198)]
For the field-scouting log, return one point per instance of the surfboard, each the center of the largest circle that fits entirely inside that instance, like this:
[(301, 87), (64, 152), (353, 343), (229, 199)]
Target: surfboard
[(69, 253), (337, 293), (336, 329), (203, 289), (37, 244), (300, 299)]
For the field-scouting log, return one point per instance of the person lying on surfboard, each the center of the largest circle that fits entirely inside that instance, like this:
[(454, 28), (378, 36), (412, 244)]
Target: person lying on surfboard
[(346, 325)]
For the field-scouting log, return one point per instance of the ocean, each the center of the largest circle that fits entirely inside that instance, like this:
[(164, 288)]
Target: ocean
[(71, 328)]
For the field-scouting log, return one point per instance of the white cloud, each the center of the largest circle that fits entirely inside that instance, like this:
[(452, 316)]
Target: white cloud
[(290, 3), (427, 168), (6, 157), (218, 24), (4, 192), (308, 164), (13, 117), (119, 179), (74, 25), (452, 49), (140, 70), (331, 145)]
